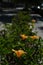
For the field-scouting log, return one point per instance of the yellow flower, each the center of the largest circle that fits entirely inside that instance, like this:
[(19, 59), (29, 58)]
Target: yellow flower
[(33, 21), (23, 36), (19, 53), (34, 37)]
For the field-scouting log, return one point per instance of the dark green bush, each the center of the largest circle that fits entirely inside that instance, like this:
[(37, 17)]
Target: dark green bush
[(12, 40)]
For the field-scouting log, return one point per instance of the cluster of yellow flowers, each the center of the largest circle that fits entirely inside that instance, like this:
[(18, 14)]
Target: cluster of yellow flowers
[(23, 36), (34, 37), (19, 53)]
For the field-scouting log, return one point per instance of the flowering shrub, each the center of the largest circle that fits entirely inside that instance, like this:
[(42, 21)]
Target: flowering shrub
[(18, 44)]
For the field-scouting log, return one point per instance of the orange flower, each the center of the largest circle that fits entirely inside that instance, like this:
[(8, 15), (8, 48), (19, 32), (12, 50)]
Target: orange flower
[(33, 20), (23, 36), (34, 37), (18, 52)]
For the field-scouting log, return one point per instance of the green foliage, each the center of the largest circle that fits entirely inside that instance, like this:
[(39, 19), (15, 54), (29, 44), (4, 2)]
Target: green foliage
[(12, 40)]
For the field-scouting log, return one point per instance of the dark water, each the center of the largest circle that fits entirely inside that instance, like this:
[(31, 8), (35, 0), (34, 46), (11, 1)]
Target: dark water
[(5, 18), (7, 15)]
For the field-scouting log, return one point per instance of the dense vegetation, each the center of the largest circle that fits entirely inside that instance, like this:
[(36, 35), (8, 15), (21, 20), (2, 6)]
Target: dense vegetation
[(18, 44)]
